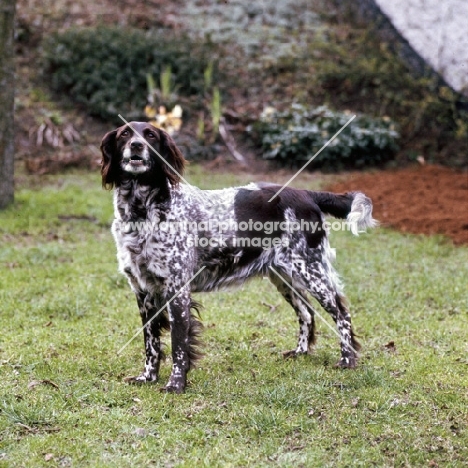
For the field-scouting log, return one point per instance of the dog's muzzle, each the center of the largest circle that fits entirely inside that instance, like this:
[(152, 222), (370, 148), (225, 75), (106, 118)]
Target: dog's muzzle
[(135, 157)]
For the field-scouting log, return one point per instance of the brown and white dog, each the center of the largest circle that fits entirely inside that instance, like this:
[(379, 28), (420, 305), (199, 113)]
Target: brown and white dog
[(173, 239)]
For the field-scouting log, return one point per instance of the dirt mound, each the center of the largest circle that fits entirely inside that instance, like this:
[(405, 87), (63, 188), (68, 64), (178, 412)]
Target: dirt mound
[(420, 200)]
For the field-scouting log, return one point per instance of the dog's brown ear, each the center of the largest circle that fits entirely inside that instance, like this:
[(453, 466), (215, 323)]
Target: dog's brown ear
[(109, 160), (176, 161)]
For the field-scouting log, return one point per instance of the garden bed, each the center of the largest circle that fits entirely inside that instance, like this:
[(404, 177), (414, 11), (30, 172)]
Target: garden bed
[(421, 199)]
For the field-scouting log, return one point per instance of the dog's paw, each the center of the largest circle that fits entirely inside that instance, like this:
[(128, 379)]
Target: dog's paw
[(294, 353), (140, 380), (176, 384), (349, 362), (172, 389), (290, 354)]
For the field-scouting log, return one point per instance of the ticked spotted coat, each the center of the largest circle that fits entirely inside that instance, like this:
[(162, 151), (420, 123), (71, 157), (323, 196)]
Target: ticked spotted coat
[(174, 239)]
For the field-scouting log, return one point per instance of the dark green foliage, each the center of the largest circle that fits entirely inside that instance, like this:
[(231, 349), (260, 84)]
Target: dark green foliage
[(350, 66), (106, 68), (358, 70), (294, 136), (376, 81)]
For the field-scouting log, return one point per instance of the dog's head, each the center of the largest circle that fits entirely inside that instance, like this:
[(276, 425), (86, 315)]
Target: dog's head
[(140, 150)]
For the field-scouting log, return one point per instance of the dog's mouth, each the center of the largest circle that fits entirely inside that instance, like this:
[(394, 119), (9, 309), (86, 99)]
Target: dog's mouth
[(136, 160)]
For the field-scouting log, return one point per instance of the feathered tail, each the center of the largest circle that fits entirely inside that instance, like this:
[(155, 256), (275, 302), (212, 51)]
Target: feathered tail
[(360, 217), (354, 206)]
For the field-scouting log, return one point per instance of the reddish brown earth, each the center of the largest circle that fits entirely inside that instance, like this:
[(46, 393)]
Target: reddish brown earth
[(421, 200)]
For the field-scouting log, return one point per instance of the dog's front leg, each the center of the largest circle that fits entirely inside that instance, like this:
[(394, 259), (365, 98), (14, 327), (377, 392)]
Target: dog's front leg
[(179, 320), (153, 320)]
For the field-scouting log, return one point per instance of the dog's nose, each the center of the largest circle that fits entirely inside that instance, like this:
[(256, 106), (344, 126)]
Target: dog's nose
[(136, 145)]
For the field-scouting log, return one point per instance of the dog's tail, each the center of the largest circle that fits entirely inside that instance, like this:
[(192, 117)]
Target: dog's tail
[(355, 207)]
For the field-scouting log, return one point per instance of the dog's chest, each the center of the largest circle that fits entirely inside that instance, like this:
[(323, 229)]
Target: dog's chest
[(151, 236), (169, 239)]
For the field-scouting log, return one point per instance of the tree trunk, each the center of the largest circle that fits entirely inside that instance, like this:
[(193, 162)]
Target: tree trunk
[(7, 99)]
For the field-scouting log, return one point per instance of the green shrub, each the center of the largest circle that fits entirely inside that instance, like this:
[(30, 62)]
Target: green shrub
[(352, 67), (106, 69), (294, 136)]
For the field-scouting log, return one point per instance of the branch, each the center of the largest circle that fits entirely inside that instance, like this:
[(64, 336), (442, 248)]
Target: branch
[(229, 142)]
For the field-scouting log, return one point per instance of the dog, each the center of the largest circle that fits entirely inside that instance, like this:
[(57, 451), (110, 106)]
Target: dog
[(173, 239)]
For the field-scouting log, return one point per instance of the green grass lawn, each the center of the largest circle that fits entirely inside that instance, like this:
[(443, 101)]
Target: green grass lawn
[(65, 312)]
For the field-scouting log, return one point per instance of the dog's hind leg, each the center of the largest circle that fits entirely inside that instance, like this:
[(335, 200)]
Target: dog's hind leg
[(305, 315), (335, 304), (323, 286)]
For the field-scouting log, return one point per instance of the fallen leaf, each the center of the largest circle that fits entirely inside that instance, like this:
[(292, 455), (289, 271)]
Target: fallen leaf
[(270, 306), (24, 426), (48, 456), (35, 383), (390, 347)]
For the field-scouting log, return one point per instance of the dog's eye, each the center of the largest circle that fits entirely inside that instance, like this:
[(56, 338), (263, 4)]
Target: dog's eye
[(125, 133), (151, 135)]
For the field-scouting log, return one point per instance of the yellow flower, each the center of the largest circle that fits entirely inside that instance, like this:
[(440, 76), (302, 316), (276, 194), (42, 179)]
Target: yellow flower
[(150, 112), (171, 122)]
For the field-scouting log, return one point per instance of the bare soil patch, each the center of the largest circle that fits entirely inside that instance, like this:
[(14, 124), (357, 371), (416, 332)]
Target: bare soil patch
[(420, 199)]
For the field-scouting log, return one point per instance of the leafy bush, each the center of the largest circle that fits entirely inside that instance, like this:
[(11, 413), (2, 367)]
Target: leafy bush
[(353, 67), (106, 69), (294, 136)]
